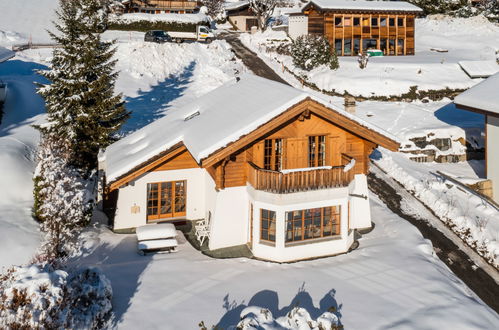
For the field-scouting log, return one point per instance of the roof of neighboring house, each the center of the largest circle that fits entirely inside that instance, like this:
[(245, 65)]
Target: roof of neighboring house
[(374, 5), (483, 97), (236, 5), (6, 54), (479, 69), (214, 121)]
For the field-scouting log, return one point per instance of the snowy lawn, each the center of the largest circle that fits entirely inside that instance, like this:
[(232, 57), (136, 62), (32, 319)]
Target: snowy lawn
[(394, 279), (465, 39), (19, 235)]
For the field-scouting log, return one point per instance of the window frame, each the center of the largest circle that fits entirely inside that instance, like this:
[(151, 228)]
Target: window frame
[(299, 223), (270, 220), (317, 161), (273, 154), (172, 197)]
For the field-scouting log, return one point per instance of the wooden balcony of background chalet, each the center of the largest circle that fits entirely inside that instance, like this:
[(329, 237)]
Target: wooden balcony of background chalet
[(172, 4), (310, 179)]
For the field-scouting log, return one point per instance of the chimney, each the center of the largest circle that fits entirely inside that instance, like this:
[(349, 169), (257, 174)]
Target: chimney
[(350, 104)]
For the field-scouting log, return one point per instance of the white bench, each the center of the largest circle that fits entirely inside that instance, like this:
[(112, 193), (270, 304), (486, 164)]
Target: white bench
[(157, 237)]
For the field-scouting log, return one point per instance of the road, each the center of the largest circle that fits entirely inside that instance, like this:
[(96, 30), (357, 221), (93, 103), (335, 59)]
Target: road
[(250, 59)]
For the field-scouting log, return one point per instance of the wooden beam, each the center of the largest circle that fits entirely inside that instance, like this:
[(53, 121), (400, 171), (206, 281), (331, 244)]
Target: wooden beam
[(147, 167)]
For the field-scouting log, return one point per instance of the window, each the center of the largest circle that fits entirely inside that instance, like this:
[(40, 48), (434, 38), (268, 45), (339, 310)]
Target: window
[(369, 44), (272, 158), (356, 21), (312, 223), (392, 21), (347, 21), (391, 47), (338, 46), (267, 225), (166, 200), (382, 21), (337, 21), (400, 21), (400, 46), (383, 44), (356, 46), (374, 21), (365, 21), (316, 151), (347, 46)]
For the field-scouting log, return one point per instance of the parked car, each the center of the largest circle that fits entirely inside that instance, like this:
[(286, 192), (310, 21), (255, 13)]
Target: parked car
[(157, 36), (202, 33)]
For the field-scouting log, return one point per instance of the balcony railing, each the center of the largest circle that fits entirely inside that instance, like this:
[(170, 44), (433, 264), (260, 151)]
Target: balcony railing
[(299, 180)]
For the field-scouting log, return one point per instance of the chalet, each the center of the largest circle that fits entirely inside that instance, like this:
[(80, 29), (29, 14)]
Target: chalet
[(274, 168), (484, 98), (160, 6), (355, 26), (240, 15)]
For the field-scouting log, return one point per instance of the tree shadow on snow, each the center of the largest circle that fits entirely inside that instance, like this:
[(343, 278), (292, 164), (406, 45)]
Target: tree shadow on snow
[(150, 105), (22, 103), (123, 266), (270, 300)]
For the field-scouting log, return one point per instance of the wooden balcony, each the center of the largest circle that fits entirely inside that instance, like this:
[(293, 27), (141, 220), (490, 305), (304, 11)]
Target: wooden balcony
[(295, 181)]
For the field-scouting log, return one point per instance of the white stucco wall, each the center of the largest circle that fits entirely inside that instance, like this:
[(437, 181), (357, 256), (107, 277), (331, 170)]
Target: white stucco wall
[(299, 201), (229, 225), (493, 154), (360, 210), (297, 26), (135, 194), (240, 21)]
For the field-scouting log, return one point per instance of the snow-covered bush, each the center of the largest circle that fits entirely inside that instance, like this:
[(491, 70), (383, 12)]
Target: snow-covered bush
[(63, 200), (297, 319), (39, 297), (309, 52)]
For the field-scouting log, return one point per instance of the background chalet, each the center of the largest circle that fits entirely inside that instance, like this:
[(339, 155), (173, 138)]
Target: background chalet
[(356, 26), (160, 6), (271, 166)]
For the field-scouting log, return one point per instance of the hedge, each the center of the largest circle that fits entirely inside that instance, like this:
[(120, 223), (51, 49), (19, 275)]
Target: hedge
[(144, 26)]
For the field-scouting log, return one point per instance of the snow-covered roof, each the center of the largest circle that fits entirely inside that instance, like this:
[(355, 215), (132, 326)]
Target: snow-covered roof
[(479, 69), (374, 5), (6, 54), (484, 96), (236, 5), (212, 122)]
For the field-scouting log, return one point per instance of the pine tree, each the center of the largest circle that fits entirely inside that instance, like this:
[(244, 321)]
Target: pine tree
[(81, 105)]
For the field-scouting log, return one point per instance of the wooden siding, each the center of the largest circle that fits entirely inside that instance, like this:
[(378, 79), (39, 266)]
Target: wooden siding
[(182, 161), (295, 150), (385, 37)]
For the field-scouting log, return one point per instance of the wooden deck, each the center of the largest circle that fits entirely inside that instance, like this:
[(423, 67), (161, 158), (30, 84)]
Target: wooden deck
[(296, 181)]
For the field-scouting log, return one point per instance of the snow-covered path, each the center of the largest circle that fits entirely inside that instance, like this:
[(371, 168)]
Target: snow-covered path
[(19, 235), (393, 280)]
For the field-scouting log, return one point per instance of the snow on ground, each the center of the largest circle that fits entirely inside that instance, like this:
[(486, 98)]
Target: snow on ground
[(19, 235), (390, 75), (473, 219), (394, 280), (21, 20)]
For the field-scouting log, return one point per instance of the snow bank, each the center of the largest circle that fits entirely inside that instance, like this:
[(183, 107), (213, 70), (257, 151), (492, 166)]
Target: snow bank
[(27, 19), (475, 221), (178, 18)]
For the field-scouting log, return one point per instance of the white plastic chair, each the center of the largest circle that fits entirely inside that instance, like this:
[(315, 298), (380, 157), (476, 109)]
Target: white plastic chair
[(203, 229)]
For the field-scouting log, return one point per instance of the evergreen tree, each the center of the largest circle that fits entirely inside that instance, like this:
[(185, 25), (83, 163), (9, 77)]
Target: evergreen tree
[(81, 105), (311, 51)]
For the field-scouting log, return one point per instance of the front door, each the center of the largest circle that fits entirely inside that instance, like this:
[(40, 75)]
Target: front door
[(166, 200)]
